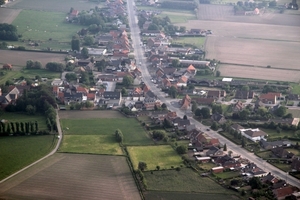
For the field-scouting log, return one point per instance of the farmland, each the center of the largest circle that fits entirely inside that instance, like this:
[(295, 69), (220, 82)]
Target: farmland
[(89, 114), (160, 155), (73, 176), (18, 152), (8, 15), (185, 180)]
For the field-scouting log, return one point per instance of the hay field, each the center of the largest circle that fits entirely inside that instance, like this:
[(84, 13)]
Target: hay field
[(259, 73), (73, 176), (257, 52), (8, 15), (19, 58)]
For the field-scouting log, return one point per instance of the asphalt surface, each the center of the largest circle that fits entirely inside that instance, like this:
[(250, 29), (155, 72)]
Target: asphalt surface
[(140, 58)]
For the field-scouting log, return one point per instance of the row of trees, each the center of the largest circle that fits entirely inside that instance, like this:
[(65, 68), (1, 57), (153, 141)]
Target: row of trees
[(30, 64), (18, 128)]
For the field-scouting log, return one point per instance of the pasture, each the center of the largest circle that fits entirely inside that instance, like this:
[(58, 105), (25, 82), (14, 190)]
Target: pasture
[(198, 42), (176, 17), (20, 151), (160, 155), (42, 26), (185, 180), (8, 15), (19, 58), (54, 5), (73, 176)]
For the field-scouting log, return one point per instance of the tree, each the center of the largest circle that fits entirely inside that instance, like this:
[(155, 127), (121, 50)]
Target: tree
[(88, 40), (243, 142), (2, 2), (217, 109), (75, 44), (181, 149), (214, 126), (255, 183), (229, 153), (71, 77), (30, 109), (245, 88), (55, 67), (194, 106), (281, 111), (157, 167), (142, 166), (124, 92), (218, 73), (185, 117), (85, 52), (167, 124), (172, 92), (225, 147), (119, 136), (204, 112), (127, 81), (158, 135), (244, 114), (164, 106)]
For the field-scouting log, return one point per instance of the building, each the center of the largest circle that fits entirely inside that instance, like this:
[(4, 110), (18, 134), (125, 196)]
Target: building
[(270, 97), (253, 134)]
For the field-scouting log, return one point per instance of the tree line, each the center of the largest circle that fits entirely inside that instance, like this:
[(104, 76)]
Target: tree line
[(8, 32), (20, 128)]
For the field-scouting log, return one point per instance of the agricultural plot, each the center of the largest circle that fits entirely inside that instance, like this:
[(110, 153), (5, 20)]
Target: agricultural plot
[(8, 15), (185, 180), (163, 156), (19, 58), (54, 5), (259, 73), (198, 42), (73, 176), (176, 17), (89, 114), (154, 195), (214, 12), (18, 152)]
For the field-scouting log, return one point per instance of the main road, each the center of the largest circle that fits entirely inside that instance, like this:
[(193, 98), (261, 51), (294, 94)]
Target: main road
[(140, 58)]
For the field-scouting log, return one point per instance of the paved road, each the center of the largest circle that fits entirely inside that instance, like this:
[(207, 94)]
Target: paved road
[(140, 58), (50, 154)]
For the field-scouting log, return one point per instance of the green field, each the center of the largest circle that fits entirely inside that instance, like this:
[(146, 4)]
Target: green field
[(161, 155), (18, 152), (154, 195), (227, 175), (17, 117), (40, 26), (195, 41), (176, 17), (294, 112), (30, 74), (272, 133), (95, 144), (185, 180)]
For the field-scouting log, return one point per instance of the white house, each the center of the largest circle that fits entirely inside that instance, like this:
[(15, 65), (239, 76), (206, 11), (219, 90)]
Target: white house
[(254, 134)]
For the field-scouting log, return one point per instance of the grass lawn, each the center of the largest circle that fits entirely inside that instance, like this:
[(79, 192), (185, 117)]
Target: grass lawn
[(207, 166), (294, 112), (227, 175), (160, 155), (282, 166), (265, 154), (185, 180), (195, 41), (16, 74), (40, 26), (18, 152), (95, 144), (294, 151), (17, 117), (272, 133), (176, 17), (295, 88), (132, 131)]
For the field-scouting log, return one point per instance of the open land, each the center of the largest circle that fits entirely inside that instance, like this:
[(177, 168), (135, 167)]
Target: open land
[(20, 151), (8, 15), (19, 58), (18, 117), (259, 73), (89, 114), (73, 176), (160, 155), (185, 180)]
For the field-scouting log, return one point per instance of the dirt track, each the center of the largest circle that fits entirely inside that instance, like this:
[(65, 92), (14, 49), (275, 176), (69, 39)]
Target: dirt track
[(73, 176), (8, 15)]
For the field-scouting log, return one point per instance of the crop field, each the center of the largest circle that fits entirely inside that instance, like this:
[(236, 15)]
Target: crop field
[(154, 195), (185, 180), (8, 15), (54, 5), (176, 17), (19, 58), (89, 114), (18, 152), (259, 73), (41, 26), (73, 176), (214, 12), (160, 155)]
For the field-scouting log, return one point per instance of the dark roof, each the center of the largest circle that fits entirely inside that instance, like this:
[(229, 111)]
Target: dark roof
[(255, 133), (236, 126), (111, 95)]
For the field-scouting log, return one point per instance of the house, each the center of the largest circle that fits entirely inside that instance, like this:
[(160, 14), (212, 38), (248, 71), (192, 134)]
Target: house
[(280, 152), (214, 151), (287, 121), (10, 97), (219, 118), (274, 144), (253, 134), (57, 82), (202, 159), (251, 170), (238, 106), (243, 94), (181, 123), (269, 179), (227, 162), (218, 169), (71, 97), (216, 94), (7, 66), (182, 81), (191, 70), (293, 97), (207, 140), (237, 127), (282, 193), (295, 165), (114, 98), (186, 102), (270, 97)]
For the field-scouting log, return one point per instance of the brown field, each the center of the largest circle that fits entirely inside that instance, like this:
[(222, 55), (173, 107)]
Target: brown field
[(89, 114), (8, 15), (254, 52), (259, 73), (19, 58), (73, 176)]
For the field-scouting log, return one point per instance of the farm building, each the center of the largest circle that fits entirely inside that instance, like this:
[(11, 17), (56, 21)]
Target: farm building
[(202, 159), (7, 66), (217, 169)]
